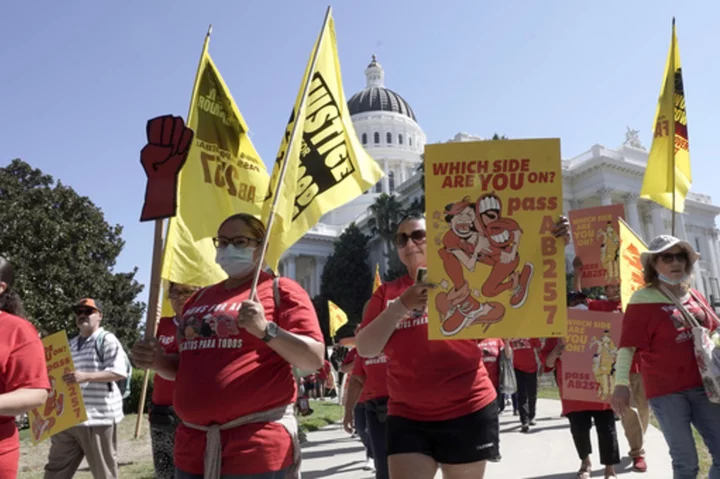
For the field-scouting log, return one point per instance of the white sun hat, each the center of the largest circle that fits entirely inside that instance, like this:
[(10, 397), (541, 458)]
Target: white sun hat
[(662, 243)]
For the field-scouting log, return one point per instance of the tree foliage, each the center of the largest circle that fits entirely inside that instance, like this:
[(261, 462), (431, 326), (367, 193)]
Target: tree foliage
[(63, 250), (346, 280), (386, 215)]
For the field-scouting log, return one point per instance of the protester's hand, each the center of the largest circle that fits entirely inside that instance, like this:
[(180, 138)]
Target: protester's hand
[(561, 229), (349, 422), (620, 399), (251, 317), (145, 353), (75, 377), (416, 296), (167, 148)]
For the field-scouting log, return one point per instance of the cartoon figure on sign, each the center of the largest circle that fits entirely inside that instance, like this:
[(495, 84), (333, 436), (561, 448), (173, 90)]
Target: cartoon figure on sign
[(503, 235), (610, 252), (54, 407), (603, 363), (463, 246)]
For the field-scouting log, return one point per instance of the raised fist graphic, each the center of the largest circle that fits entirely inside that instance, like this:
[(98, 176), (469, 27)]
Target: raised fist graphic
[(162, 158)]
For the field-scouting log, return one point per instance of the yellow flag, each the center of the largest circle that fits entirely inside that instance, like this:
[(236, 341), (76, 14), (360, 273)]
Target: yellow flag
[(670, 142), (378, 281), (631, 270), (337, 318), (223, 175), (326, 165)]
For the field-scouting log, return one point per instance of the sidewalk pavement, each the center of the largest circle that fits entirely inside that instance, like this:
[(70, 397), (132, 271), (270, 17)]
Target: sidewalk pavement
[(547, 452)]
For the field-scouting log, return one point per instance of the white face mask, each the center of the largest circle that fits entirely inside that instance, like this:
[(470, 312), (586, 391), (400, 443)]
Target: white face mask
[(236, 262), (670, 281)]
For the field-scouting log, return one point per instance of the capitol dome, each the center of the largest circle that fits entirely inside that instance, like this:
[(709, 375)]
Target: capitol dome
[(375, 97)]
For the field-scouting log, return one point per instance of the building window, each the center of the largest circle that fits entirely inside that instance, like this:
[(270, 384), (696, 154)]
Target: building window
[(378, 187), (364, 138), (697, 245), (400, 139), (376, 138), (388, 138), (410, 140), (391, 181)]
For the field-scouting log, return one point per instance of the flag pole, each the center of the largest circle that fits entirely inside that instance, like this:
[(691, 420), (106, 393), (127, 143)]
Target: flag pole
[(283, 168), (672, 131), (154, 301)]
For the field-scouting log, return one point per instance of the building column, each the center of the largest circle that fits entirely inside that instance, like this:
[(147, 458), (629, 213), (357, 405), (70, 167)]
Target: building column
[(385, 179), (711, 256), (658, 220), (566, 206), (290, 266), (632, 214), (605, 196), (680, 231), (576, 203), (319, 267)]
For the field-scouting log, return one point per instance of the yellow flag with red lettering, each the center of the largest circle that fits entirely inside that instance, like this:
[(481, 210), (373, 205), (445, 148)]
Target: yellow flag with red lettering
[(326, 165), (631, 270), (338, 318), (378, 281), (668, 177)]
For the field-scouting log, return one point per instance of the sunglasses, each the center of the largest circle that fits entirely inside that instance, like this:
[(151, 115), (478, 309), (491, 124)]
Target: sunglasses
[(668, 258), (418, 237), (175, 294), (84, 311)]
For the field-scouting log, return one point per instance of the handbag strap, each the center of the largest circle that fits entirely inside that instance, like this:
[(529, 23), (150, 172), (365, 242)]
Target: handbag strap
[(710, 312), (688, 317)]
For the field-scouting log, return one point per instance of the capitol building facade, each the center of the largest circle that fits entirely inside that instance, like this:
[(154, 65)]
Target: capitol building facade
[(388, 129)]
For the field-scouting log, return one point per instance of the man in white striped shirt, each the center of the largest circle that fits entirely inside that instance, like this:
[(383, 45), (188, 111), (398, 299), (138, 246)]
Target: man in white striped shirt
[(99, 361)]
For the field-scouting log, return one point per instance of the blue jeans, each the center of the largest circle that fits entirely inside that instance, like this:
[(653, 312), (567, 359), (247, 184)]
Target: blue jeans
[(676, 412), (361, 427), (264, 475), (376, 413)]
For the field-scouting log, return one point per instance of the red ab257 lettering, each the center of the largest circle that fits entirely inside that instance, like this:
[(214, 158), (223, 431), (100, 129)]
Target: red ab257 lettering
[(226, 176), (550, 275)]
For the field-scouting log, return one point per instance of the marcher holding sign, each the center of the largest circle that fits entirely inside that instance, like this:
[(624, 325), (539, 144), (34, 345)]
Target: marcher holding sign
[(24, 381), (597, 242), (493, 206)]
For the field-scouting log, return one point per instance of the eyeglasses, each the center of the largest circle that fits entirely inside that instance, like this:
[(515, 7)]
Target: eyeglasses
[(175, 294), (668, 258), (238, 241), (84, 311), (418, 237)]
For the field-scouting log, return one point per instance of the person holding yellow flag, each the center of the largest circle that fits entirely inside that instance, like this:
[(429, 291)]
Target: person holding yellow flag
[(234, 387)]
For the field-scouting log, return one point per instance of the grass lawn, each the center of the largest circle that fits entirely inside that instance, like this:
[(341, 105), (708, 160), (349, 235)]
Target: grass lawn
[(135, 454), (551, 392)]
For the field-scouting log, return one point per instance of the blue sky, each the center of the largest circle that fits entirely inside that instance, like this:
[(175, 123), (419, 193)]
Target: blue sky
[(81, 78)]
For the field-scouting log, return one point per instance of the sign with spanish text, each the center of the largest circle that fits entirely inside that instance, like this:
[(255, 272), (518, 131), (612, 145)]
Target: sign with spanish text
[(64, 407), (589, 355), (597, 242), (491, 207)]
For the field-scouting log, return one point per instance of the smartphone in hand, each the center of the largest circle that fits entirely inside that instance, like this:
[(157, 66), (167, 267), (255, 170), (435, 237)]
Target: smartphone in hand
[(421, 275)]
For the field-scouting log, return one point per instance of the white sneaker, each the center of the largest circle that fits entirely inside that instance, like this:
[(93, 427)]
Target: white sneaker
[(369, 465)]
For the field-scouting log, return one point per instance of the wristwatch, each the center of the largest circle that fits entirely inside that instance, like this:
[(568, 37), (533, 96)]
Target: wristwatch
[(271, 331)]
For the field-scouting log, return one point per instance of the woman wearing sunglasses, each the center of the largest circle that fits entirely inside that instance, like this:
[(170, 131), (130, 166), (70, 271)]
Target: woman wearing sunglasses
[(657, 326), (442, 407), (235, 392)]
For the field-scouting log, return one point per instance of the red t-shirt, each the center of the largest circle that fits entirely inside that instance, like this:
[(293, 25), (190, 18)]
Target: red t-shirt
[(524, 354), (166, 335), (429, 380), (568, 405), (351, 356), (324, 371), (491, 349), (609, 306), (226, 373), (654, 326), (374, 370), (22, 365)]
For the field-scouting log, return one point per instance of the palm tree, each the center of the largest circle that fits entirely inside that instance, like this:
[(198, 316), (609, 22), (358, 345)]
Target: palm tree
[(386, 214)]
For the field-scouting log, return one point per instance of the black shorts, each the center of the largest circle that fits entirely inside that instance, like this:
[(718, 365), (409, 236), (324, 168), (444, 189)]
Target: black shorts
[(462, 440)]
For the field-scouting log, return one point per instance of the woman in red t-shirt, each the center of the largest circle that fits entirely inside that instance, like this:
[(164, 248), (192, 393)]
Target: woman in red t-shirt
[(442, 407), (24, 383), (161, 414), (234, 386), (659, 331)]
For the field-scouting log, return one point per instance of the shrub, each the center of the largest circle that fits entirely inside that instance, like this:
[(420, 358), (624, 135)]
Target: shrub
[(132, 402)]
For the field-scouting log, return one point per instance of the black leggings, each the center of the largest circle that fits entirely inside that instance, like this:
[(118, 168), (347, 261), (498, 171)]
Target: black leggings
[(580, 424), (527, 386)]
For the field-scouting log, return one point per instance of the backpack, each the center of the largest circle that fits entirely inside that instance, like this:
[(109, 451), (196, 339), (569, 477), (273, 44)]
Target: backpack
[(122, 384)]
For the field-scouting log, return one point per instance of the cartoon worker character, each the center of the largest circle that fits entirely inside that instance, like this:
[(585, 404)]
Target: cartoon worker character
[(503, 236), (610, 252), (603, 363), (54, 406), (463, 246)]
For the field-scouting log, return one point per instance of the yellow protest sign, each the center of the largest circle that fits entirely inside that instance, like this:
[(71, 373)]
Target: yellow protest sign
[(491, 206), (377, 282), (631, 270), (64, 407)]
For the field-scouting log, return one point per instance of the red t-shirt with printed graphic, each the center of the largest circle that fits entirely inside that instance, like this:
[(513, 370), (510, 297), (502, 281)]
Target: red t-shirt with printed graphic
[(568, 405), (609, 306), (226, 373), (352, 355), (524, 354), (429, 380), (656, 329), (166, 335), (491, 349), (374, 370), (22, 365)]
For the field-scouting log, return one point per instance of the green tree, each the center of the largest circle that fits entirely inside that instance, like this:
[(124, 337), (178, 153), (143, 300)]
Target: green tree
[(63, 250), (386, 214), (347, 280)]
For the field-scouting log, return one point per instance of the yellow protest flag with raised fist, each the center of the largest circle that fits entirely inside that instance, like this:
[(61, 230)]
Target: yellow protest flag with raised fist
[(326, 165), (223, 175), (338, 318), (631, 270), (667, 177)]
